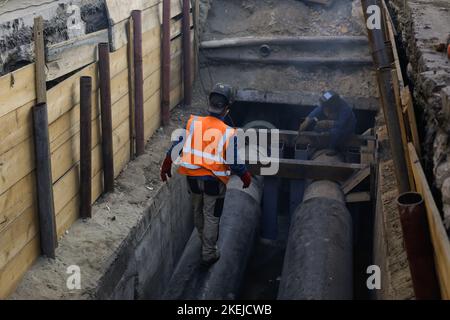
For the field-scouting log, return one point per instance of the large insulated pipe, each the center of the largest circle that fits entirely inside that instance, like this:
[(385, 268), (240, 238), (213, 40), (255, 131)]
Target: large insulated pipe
[(238, 228), (318, 263)]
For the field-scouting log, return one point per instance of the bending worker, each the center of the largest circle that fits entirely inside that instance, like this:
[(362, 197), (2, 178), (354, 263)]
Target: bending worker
[(333, 116), (204, 162)]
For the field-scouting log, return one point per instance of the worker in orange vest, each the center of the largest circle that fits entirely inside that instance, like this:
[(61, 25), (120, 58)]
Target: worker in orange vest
[(204, 162)]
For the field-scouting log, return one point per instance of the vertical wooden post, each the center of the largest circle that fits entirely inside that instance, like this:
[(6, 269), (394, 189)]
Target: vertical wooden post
[(138, 82), (47, 223), (187, 54), (105, 100), (39, 51), (85, 147), (131, 86), (165, 47)]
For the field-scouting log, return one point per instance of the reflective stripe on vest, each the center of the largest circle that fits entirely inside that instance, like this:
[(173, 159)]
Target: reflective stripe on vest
[(195, 167), (218, 158)]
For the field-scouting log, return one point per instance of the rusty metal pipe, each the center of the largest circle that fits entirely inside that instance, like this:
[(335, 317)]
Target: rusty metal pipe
[(165, 81), (284, 40), (384, 61), (419, 248), (138, 82), (85, 147), (105, 102), (44, 185), (187, 54)]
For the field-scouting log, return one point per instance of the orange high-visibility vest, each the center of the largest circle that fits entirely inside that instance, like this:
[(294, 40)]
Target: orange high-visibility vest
[(205, 148)]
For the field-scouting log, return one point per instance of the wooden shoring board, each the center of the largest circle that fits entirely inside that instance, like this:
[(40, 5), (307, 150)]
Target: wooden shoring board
[(355, 180), (306, 169)]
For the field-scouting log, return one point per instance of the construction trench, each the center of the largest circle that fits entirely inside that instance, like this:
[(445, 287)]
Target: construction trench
[(308, 232)]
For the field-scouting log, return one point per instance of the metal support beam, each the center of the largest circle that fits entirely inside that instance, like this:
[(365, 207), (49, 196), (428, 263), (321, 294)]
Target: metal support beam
[(285, 40), (44, 185), (138, 82), (165, 54), (105, 100), (187, 54), (419, 249), (85, 147)]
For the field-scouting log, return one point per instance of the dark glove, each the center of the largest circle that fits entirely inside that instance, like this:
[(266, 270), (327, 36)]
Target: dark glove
[(246, 179), (166, 168)]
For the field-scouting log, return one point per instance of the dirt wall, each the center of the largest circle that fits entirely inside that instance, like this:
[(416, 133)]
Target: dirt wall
[(424, 31), (62, 21)]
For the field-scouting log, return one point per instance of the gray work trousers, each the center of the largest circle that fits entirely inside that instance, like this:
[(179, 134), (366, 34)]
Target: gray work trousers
[(207, 198)]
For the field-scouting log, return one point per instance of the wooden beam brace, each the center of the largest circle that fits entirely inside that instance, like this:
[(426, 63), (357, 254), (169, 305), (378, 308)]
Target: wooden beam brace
[(67, 56), (304, 169), (356, 197), (318, 139), (355, 180), (39, 51), (326, 3)]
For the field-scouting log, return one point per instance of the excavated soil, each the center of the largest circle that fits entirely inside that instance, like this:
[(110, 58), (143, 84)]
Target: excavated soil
[(237, 18)]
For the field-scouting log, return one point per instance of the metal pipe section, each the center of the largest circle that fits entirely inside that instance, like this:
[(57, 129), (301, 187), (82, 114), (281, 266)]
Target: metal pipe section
[(187, 54), (44, 184), (238, 230), (383, 59), (318, 263), (284, 40), (419, 248), (106, 117), (165, 47), (85, 147), (138, 82)]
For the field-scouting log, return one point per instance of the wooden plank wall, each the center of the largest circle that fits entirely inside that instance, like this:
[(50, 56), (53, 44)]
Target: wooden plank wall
[(19, 238)]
